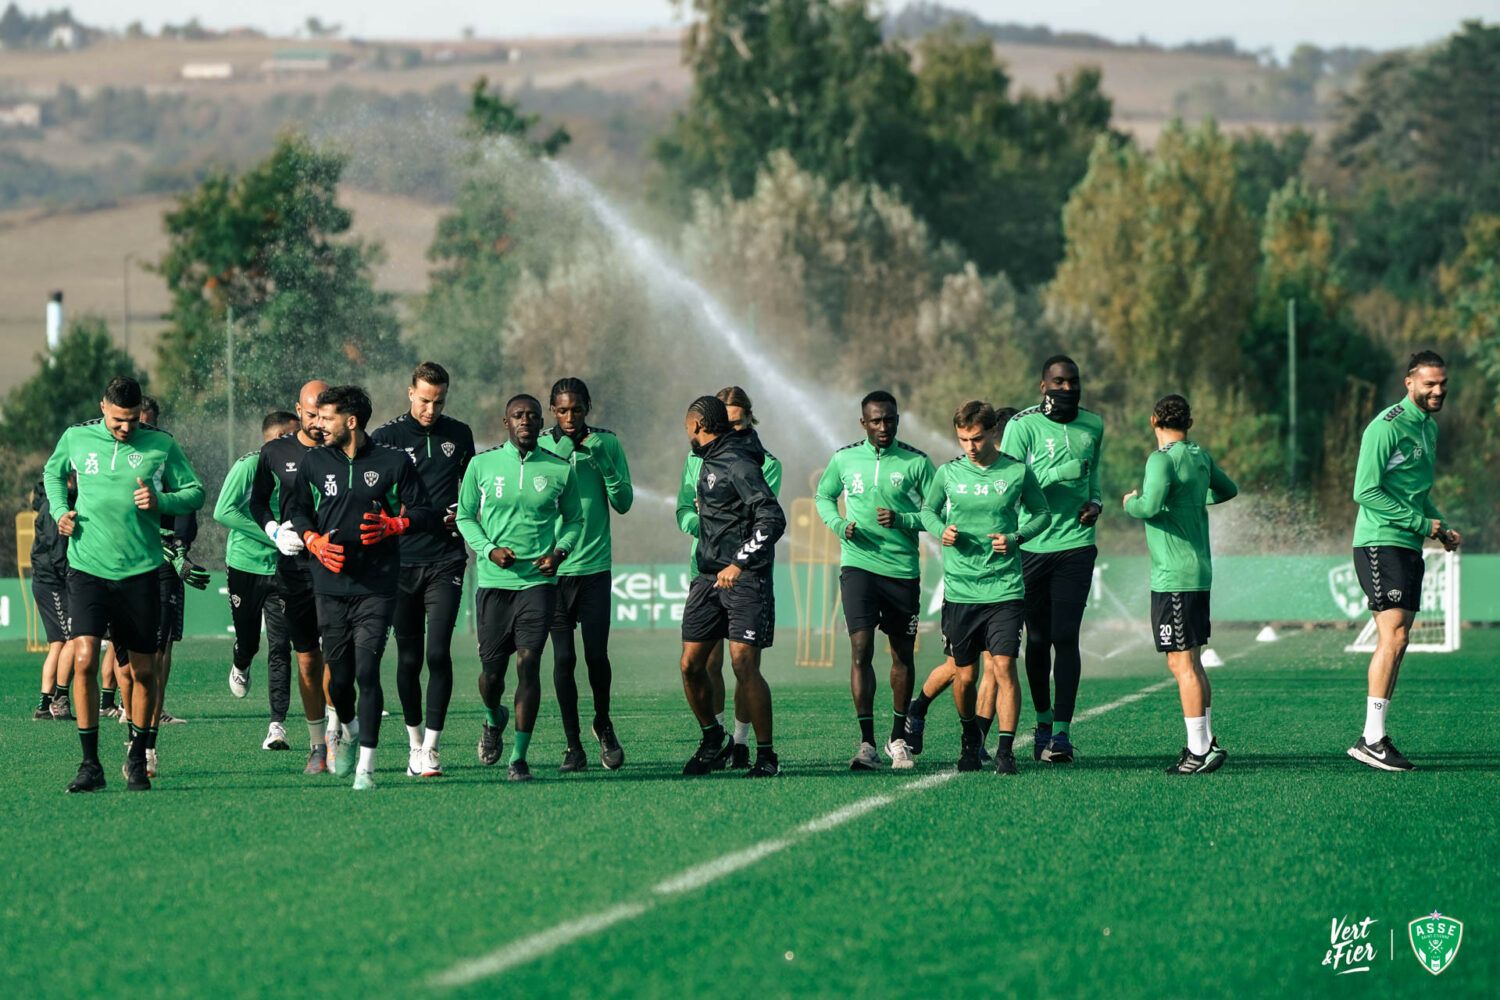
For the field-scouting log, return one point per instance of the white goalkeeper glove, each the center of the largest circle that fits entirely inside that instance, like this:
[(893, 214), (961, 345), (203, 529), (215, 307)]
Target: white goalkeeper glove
[(287, 542)]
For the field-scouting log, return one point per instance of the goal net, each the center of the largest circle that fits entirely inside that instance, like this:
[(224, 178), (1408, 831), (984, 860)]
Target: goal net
[(1435, 629)]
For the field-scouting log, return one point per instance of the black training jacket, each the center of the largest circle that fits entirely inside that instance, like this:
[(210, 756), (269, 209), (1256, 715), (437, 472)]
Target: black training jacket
[(441, 454), (739, 519), (333, 493), (275, 476), (49, 550)]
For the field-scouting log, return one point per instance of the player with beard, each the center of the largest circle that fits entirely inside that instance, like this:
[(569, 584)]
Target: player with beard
[(352, 499)]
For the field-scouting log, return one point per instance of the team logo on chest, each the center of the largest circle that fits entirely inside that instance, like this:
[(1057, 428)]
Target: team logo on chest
[(448, 449), (371, 478), (135, 460), (896, 480), (330, 485), (539, 483), (712, 478)]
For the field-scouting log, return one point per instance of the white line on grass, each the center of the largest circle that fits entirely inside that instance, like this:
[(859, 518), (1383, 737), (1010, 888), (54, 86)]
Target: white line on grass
[(535, 946)]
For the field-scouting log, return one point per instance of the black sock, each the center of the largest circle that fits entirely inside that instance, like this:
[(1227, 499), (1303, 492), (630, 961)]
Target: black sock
[(573, 740), (984, 726), (90, 740), (151, 738), (107, 699), (898, 726), (46, 700), (1007, 743), (970, 730), (764, 750), (137, 749), (713, 733), (919, 703), (867, 729)]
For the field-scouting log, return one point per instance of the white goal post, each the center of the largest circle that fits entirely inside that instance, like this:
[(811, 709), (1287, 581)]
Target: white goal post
[(1436, 627)]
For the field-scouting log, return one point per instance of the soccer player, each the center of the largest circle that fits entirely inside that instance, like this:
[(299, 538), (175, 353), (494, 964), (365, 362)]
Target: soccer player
[(128, 476), (432, 562), (352, 499), (1063, 444), (883, 481), (251, 556), (1393, 487), (49, 588), (972, 506), (519, 510), (584, 589), (732, 597), (275, 478), (1181, 479), (742, 417)]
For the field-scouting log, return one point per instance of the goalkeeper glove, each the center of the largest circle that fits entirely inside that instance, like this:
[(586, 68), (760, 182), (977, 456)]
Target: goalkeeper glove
[(325, 550), (376, 526)]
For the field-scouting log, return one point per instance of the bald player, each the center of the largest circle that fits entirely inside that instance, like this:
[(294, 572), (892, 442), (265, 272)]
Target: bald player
[(275, 477)]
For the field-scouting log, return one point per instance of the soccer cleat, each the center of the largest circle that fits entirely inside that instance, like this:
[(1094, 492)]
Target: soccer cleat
[(61, 709), (90, 778), (1215, 758), (123, 717), (239, 682), (432, 764), (984, 756), (490, 744), (710, 754), (136, 779), (901, 758), (915, 724), (767, 765), (968, 758), (43, 712), (168, 719), (1040, 737), (275, 738), (150, 762), (574, 759), (364, 781), (866, 759), (1381, 755), (519, 770), (346, 758), (317, 760), (414, 762), (112, 712), (336, 746), (611, 755), (739, 757), (1005, 763), (1059, 750), (1191, 763)]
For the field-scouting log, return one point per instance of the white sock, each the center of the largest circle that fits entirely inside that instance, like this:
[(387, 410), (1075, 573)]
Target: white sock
[(1208, 721), (317, 732), (1197, 733), (720, 719), (430, 740), (414, 737), (742, 733), (1375, 719), (333, 718), (366, 760)]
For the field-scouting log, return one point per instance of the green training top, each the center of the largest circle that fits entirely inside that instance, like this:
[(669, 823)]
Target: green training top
[(603, 478), (113, 539), (687, 493), (1065, 458), (980, 502), (1393, 478), (1181, 479), (896, 479), (247, 547), (526, 503)]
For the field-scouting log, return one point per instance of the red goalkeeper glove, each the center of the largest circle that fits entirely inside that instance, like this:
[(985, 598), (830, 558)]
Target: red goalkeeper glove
[(325, 551), (376, 526)]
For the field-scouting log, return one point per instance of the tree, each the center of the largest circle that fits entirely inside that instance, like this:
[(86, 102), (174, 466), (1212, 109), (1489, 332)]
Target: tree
[(66, 387), (1264, 163), (1160, 259), (271, 245), (1469, 318)]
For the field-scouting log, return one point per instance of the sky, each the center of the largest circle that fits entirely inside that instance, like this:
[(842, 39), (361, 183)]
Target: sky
[(1277, 24)]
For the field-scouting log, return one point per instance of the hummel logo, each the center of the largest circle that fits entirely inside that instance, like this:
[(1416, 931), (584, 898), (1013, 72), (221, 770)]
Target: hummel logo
[(291, 466)]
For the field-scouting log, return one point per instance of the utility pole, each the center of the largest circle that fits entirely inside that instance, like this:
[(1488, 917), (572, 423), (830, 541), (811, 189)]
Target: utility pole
[(126, 285), (1291, 396), (229, 384)]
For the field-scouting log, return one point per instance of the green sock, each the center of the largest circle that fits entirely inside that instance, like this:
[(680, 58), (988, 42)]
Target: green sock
[(1044, 718), (518, 747), (489, 717), (1060, 727)]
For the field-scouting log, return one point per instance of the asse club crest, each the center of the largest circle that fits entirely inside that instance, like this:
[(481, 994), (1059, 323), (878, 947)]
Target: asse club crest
[(1435, 940)]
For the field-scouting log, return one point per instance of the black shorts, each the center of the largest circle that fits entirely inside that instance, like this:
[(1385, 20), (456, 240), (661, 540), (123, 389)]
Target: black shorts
[(252, 597), (1059, 577), (352, 620), (128, 610), (428, 600), (584, 600), (51, 596), (745, 613), (509, 620), (887, 602), (1391, 576), (173, 606), (1180, 620), (972, 629), (296, 591)]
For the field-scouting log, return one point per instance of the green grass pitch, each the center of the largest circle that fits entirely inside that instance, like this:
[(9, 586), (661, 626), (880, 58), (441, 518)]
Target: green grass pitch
[(237, 876)]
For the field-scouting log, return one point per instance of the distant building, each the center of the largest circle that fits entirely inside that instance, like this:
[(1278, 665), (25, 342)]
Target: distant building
[(27, 115), (303, 61), (64, 36), (207, 71)]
